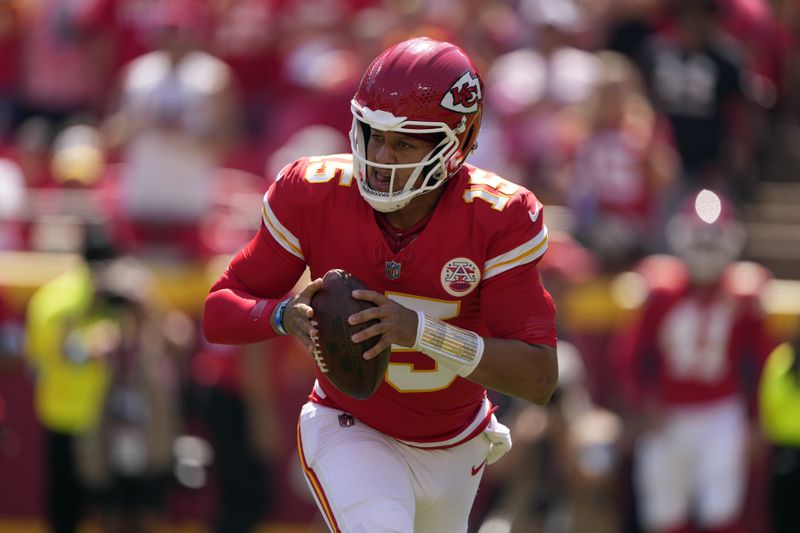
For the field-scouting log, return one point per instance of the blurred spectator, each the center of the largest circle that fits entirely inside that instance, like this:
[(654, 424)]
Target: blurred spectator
[(242, 416), (244, 387), (133, 26), (175, 118), (65, 64), (11, 339), (244, 34), (753, 24), (125, 459), (559, 474), (620, 168), (77, 188), (574, 277), (78, 159), (532, 87), (10, 334), (31, 150), (317, 139), (696, 78), (692, 363), (247, 35), (10, 33), (784, 143), (780, 420), (629, 23), (319, 72), (12, 203), (71, 377)]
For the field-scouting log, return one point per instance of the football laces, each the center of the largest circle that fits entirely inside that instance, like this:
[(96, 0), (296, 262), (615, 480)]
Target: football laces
[(316, 352)]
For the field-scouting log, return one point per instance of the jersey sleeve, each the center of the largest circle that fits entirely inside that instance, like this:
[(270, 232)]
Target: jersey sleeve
[(282, 210), (239, 305), (296, 205), (518, 237), (517, 306), (514, 302)]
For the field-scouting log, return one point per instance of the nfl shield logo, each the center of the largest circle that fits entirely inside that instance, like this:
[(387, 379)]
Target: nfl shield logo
[(392, 269)]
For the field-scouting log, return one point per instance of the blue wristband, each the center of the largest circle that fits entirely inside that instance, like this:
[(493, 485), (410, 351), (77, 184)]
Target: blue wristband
[(279, 317)]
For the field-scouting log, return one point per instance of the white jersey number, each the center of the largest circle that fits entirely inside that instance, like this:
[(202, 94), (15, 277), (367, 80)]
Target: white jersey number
[(695, 342)]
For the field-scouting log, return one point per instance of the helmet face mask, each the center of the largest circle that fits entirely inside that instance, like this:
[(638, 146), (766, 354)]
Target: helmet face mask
[(426, 175), (417, 87)]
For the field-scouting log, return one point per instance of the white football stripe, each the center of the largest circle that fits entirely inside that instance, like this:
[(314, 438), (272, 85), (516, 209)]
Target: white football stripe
[(283, 236), (522, 254)]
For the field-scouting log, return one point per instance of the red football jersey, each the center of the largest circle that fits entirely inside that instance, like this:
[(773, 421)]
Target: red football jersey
[(472, 265), (693, 346)]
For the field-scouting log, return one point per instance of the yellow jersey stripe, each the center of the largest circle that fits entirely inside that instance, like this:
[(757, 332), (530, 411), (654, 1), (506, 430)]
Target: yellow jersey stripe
[(530, 255), (518, 251)]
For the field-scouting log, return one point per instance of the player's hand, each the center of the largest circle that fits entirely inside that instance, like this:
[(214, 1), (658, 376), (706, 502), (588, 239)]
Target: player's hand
[(298, 315), (397, 324)]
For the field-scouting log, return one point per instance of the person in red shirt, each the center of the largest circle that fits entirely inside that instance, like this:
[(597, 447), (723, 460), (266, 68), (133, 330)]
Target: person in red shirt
[(692, 363), (443, 246)]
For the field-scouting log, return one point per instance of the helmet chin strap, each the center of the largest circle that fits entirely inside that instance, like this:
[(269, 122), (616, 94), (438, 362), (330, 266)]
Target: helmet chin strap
[(383, 208)]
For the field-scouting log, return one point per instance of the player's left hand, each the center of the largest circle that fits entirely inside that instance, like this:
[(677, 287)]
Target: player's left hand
[(396, 324)]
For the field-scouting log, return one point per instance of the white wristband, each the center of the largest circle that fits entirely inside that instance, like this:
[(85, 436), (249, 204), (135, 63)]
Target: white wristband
[(458, 349)]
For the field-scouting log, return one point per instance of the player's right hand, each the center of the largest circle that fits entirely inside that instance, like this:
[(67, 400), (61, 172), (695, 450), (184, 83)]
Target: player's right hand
[(298, 316)]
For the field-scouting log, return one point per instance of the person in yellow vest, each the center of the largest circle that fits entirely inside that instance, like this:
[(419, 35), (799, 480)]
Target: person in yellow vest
[(71, 375), (779, 404)]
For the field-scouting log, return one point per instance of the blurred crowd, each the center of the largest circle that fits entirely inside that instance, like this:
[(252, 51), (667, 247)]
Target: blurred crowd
[(142, 133)]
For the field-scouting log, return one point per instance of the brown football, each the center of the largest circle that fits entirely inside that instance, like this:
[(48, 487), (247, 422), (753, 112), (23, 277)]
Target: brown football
[(338, 358)]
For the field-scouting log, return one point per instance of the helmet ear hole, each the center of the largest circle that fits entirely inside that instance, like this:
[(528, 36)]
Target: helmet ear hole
[(438, 176)]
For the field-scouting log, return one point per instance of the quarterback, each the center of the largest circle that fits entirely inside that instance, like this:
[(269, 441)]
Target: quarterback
[(445, 247)]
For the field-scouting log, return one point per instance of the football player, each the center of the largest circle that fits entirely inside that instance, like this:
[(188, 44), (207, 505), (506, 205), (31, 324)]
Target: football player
[(449, 251), (693, 361)]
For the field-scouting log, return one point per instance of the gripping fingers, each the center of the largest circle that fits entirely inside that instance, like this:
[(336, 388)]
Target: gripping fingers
[(383, 342), (366, 315), (378, 348), (368, 333)]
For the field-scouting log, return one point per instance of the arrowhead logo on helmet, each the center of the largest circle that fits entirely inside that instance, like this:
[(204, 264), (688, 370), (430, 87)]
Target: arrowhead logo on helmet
[(464, 95)]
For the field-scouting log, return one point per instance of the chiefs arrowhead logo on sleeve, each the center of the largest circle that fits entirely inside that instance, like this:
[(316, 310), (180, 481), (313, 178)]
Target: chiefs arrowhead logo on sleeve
[(464, 95)]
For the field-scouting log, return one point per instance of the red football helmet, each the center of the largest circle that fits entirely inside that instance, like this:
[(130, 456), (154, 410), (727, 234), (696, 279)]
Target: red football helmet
[(706, 235), (421, 87)]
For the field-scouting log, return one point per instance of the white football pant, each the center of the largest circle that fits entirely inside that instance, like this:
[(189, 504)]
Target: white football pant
[(694, 465), (366, 482)]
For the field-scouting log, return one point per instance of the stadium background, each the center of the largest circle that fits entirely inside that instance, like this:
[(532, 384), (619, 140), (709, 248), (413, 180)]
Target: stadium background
[(280, 89)]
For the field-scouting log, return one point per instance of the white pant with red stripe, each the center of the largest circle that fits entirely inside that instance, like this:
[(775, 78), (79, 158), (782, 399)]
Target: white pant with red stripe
[(695, 462), (366, 482)]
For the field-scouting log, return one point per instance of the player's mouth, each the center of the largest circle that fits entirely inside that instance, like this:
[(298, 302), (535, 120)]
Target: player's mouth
[(379, 180)]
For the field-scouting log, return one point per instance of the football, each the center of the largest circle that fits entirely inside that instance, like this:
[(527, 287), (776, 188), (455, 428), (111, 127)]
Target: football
[(338, 358)]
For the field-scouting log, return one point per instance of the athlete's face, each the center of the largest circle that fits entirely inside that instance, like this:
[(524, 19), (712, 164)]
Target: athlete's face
[(392, 148)]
